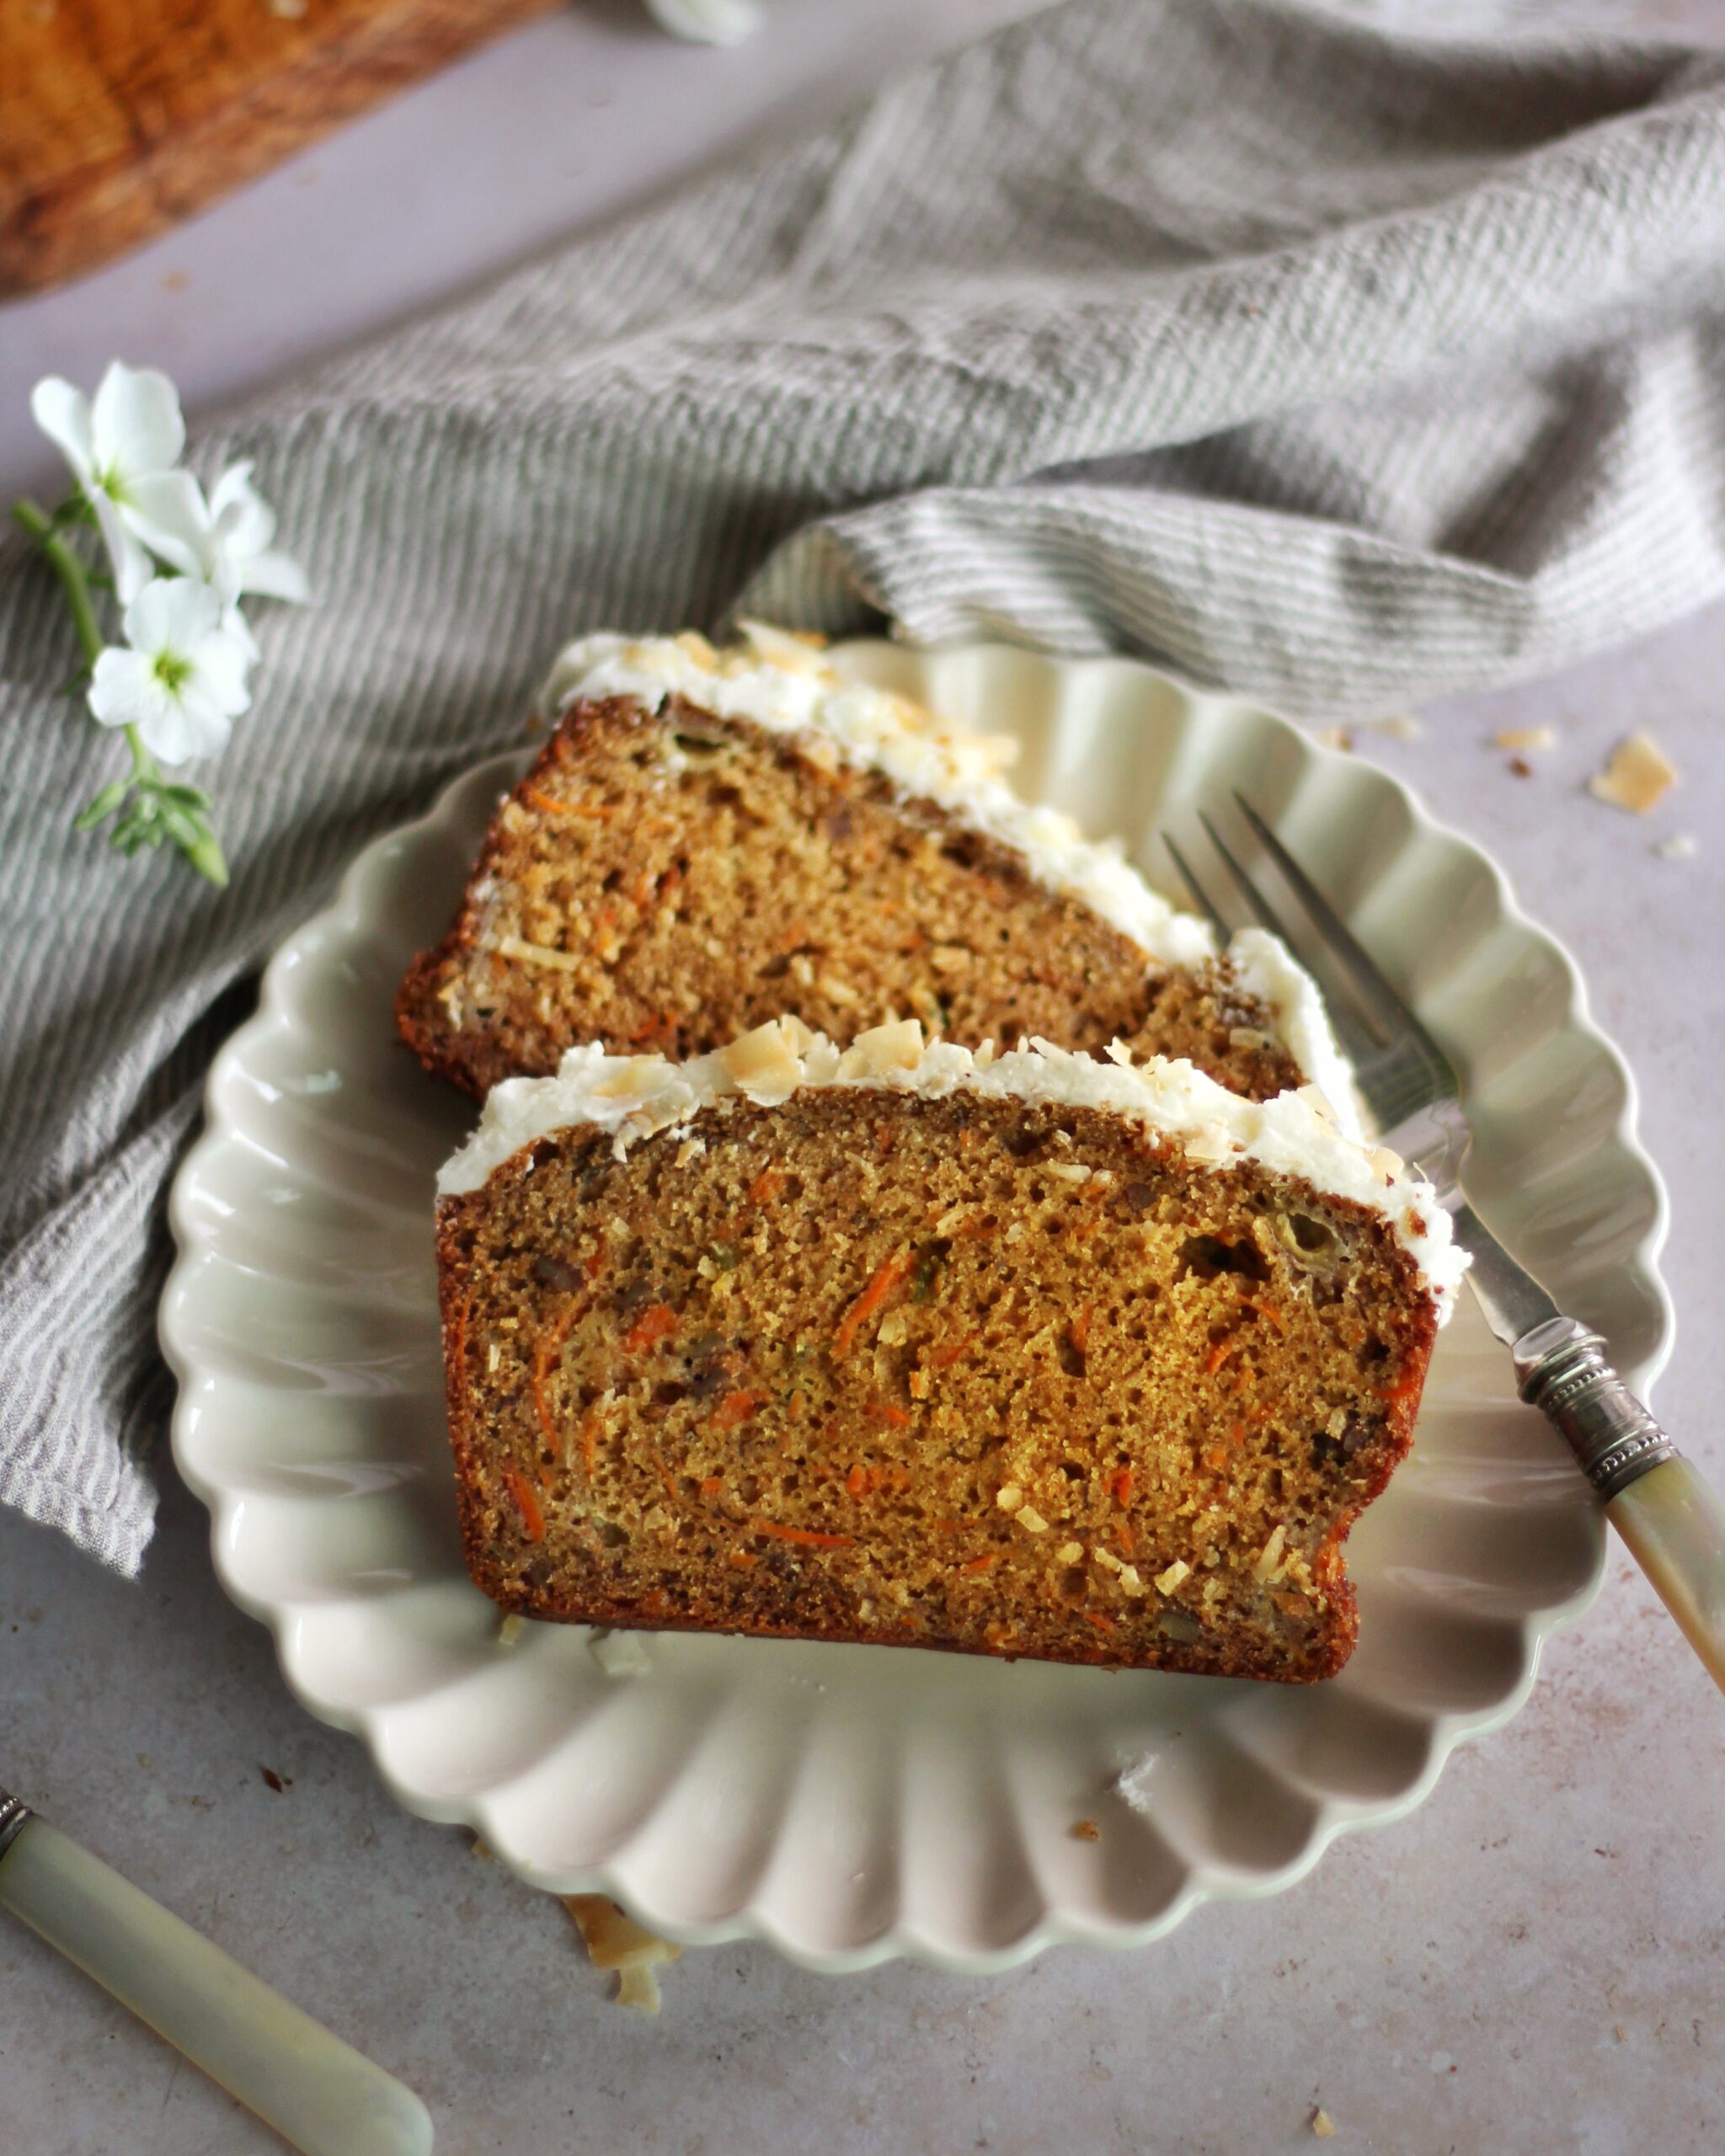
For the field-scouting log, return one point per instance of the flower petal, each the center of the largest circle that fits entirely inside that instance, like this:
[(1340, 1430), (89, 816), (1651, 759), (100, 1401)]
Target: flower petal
[(235, 625), (123, 688), (166, 511), (198, 727), (246, 518), (63, 414), (131, 566), (219, 674), (172, 613), (182, 730), (136, 421), (708, 22), (273, 574)]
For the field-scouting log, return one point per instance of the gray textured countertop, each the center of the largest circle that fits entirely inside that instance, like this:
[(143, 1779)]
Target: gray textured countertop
[(1534, 1962)]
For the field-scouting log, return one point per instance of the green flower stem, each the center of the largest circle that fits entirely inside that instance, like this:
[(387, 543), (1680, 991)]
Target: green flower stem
[(70, 570), (204, 854)]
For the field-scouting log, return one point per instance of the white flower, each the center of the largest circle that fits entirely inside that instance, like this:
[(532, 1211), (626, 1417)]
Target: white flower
[(184, 680), (707, 22), (228, 543), (122, 449)]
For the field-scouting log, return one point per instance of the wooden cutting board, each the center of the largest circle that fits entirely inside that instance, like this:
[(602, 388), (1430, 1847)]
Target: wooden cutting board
[(120, 117)]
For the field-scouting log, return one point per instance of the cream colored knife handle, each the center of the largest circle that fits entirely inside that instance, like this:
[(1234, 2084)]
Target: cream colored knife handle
[(1674, 1524), (316, 2091), (1674, 1521)]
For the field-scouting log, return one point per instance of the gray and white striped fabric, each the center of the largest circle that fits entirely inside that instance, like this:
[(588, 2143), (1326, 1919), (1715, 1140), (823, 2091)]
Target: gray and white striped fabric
[(1315, 359)]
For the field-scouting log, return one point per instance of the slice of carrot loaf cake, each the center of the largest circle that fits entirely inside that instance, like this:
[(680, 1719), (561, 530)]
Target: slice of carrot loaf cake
[(1028, 1354), (711, 838)]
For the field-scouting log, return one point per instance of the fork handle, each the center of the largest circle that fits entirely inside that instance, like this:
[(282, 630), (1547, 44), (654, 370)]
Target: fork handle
[(1665, 1509)]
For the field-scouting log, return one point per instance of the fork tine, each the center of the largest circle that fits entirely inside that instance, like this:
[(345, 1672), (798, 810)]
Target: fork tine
[(1378, 993), (1362, 1034), (1206, 905)]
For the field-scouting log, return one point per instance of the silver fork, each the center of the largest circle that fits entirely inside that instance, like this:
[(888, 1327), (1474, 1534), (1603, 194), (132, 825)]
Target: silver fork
[(1671, 1517)]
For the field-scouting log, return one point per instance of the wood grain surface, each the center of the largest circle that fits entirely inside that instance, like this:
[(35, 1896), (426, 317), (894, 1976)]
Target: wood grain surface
[(120, 117)]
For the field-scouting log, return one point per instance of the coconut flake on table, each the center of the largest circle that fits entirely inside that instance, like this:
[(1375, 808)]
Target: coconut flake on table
[(1637, 778)]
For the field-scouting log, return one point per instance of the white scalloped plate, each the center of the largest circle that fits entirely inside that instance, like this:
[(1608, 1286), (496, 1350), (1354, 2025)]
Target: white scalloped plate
[(853, 1803)]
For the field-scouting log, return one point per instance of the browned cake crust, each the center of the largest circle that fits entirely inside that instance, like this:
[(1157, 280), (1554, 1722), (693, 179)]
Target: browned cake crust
[(961, 1372), (667, 881)]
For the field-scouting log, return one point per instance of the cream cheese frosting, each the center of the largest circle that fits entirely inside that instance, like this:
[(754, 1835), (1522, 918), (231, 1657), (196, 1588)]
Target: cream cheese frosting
[(780, 683), (635, 1097)]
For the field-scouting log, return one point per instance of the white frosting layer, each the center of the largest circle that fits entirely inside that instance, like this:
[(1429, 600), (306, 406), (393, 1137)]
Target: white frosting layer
[(780, 684), (634, 1097)]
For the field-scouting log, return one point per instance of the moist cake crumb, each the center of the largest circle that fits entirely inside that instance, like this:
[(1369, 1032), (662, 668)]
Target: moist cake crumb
[(806, 1383)]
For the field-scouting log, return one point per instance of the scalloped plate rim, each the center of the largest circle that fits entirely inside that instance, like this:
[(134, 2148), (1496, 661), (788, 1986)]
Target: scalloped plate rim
[(1203, 1881)]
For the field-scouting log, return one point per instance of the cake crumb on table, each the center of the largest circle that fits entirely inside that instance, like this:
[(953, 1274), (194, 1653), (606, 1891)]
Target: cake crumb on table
[(1637, 778), (616, 1941), (1679, 847), (1323, 2125), (1086, 1830), (1526, 737)]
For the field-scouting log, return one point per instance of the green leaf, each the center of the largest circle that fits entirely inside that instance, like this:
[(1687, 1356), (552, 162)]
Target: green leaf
[(102, 806), (187, 797)]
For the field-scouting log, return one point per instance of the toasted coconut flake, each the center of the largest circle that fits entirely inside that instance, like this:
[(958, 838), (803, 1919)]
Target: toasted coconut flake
[(1637, 778), (1526, 737), (1009, 1496), (1028, 1518), (1167, 1581), (538, 954), (883, 1048), (1269, 1562), (763, 1059), (1069, 1553)]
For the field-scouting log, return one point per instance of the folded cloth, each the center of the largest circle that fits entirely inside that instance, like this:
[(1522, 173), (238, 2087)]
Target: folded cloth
[(1317, 358)]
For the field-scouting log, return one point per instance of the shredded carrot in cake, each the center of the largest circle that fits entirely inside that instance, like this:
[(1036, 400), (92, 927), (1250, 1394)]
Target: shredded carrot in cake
[(857, 1480), (553, 807), (1120, 1485), (766, 1186), (870, 1300), (980, 1564), (533, 1517), (886, 1412), (658, 1322), (805, 1535), (1218, 1355), (943, 1358), (711, 1485), (549, 1345), (1264, 1310), (737, 1407), (1078, 1332), (590, 1441)]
